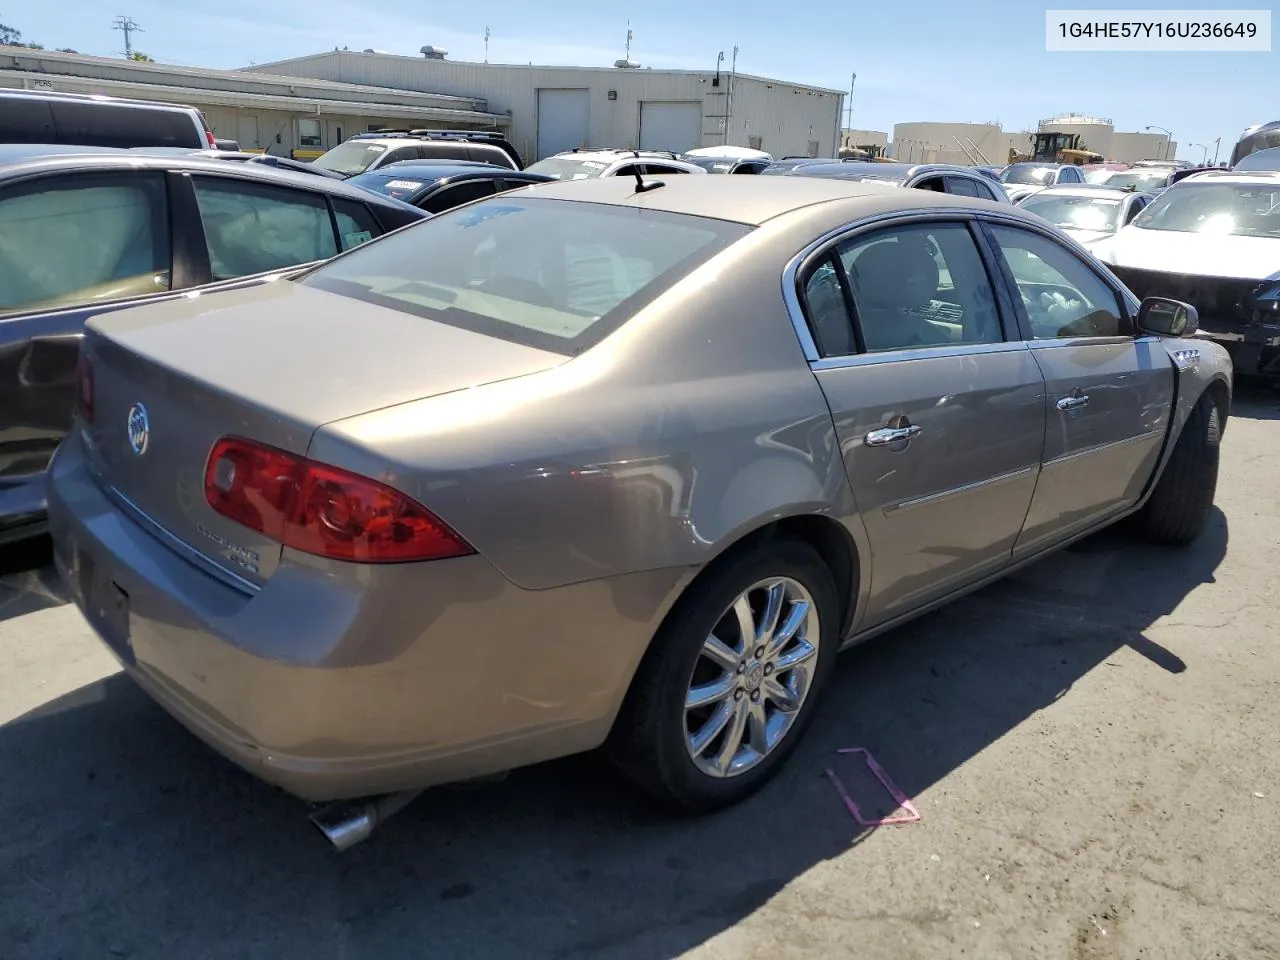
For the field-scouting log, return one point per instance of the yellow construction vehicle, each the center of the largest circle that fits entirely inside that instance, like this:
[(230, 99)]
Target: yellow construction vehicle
[(1057, 148)]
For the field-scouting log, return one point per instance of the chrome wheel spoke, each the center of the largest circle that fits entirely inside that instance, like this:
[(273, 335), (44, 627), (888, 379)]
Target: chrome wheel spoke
[(746, 621), (758, 728), (711, 729), (788, 628), (802, 653), (780, 695), (720, 653), (733, 737), (709, 693), (774, 598)]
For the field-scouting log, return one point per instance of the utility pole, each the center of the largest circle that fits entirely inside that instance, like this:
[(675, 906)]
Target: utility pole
[(1217, 143), (126, 25), (733, 72), (849, 123), (486, 44)]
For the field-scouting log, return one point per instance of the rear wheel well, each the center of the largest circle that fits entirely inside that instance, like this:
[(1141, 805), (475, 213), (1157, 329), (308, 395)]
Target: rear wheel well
[(826, 536)]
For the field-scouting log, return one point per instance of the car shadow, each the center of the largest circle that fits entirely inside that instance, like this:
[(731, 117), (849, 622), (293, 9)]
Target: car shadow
[(1255, 399), (135, 839), (28, 581)]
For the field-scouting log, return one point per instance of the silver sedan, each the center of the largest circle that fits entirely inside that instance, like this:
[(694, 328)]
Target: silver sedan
[(586, 464)]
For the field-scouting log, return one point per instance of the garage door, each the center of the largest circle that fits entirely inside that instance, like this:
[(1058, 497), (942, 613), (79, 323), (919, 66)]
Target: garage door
[(563, 118), (670, 126)]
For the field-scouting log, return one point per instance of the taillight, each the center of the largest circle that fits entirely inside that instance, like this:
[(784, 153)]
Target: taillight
[(84, 388), (210, 139), (321, 509)]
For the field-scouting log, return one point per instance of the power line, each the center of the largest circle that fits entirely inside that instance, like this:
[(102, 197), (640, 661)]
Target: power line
[(126, 25)]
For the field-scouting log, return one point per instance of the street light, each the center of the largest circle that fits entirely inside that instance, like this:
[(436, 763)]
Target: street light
[(1204, 157), (1168, 138)]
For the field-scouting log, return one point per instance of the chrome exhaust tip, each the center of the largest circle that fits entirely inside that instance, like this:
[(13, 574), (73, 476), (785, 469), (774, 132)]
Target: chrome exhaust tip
[(346, 824)]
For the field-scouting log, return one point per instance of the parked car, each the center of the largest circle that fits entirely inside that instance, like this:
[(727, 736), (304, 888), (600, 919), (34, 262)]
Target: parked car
[(83, 233), (436, 186), (369, 151), (1099, 172), (1213, 240), (940, 177), (1035, 173), (729, 159), (239, 156), (593, 164), (1265, 159), (1087, 213), (28, 116), (1149, 179), (582, 465)]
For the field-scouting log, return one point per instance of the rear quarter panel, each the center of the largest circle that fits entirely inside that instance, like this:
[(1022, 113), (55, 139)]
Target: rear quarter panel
[(695, 423)]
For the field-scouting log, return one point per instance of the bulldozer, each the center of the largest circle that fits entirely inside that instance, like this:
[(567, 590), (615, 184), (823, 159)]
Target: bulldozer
[(1057, 148)]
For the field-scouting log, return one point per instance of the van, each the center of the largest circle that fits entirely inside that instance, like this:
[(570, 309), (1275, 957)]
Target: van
[(28, 116)]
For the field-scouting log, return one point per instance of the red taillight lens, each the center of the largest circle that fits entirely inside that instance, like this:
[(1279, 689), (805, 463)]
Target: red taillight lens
[(211, 139), (84, 388), (321, 509)]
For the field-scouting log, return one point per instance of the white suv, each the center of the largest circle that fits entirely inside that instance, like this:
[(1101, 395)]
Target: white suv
[(588, 164)]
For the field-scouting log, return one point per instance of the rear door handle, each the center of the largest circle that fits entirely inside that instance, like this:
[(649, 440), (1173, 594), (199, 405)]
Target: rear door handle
[(887, 435), (1074, 402)]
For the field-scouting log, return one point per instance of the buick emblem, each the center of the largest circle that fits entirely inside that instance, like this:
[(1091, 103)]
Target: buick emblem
[(139, 429)]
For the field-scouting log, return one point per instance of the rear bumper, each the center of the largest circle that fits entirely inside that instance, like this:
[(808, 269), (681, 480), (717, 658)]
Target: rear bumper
[(22, 508), (336, 681)]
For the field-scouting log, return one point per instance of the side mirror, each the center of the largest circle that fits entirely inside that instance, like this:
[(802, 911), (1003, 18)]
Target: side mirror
[(1168, 318)]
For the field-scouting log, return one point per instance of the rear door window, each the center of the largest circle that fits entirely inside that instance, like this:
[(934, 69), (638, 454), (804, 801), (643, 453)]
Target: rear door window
[(253, 228), (964, 187), (444, 150), (83, 238), (356, 223), (110, 125), (552, 274)]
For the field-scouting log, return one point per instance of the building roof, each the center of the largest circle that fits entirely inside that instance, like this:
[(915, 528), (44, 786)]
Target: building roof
[(434, 64)]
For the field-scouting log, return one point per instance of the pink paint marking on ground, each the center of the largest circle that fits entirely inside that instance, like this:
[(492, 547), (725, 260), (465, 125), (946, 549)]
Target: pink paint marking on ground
[(902, 800)]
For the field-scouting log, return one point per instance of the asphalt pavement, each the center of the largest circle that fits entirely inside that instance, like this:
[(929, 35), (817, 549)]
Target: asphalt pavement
[(1093, 746)]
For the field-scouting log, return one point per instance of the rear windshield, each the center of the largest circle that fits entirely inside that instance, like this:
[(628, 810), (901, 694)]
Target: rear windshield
[(553, 274), (350, 158), (1139, 179), (1215, 209), (564, 169), (1076, 213), (1028, 173), (400, 188)]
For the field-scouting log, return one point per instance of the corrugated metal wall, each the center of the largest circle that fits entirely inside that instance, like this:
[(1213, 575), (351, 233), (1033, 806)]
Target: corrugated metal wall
[(787, 118)]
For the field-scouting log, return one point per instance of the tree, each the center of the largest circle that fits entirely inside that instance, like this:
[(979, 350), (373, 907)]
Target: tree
[(141, 57), (10, 37)]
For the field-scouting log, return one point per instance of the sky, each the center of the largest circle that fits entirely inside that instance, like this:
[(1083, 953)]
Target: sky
[(973, 61)]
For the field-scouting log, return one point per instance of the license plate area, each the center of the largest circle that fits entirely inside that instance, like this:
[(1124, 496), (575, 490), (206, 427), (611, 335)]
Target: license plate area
[(106, 605)]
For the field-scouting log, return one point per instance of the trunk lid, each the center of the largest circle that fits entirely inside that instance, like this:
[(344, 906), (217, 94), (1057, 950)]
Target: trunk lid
[(270, 363)]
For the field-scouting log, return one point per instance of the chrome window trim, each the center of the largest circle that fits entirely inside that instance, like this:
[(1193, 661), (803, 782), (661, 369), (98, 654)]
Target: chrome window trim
[(818, 247), (917, 353)]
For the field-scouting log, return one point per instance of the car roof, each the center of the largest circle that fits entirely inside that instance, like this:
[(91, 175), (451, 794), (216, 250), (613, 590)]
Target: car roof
[(23, 159), (1096, 191), (1252, 178), (858, 169), (610, 155), (104, 99), (751, 200)]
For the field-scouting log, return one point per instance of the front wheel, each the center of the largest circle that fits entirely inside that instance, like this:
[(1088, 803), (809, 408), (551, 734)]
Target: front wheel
[(1179, 506), (730, 683)]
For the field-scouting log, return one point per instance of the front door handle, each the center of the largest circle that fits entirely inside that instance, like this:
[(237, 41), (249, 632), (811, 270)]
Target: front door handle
[(887, 435), (1074, 402)]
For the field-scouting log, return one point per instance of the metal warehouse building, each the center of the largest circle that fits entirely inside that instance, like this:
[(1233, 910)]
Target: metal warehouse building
[(553, 109), (282, 115)]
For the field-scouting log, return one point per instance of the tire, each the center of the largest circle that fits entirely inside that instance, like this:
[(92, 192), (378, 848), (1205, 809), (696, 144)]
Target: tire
[(1179, 506), (650, 742)]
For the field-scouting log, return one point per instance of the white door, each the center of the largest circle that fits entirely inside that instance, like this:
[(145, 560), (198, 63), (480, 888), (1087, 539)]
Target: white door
[(563, 121), (247, 131), (674, 126)]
